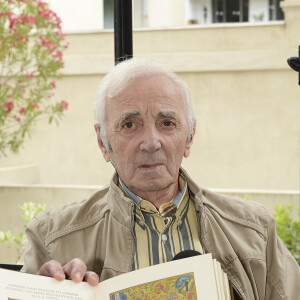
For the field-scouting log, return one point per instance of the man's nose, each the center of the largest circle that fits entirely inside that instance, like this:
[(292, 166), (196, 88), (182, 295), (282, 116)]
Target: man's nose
[(150, 140)]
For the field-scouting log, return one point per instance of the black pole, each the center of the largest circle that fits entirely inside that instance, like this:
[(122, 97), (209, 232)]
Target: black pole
[(123, 29)]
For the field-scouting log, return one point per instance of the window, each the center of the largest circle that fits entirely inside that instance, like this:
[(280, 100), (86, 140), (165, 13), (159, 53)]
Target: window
[(275, 11), (108, 12), (230, 11)]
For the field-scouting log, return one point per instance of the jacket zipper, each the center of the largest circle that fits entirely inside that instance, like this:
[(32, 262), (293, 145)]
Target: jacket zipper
[(133, 235)]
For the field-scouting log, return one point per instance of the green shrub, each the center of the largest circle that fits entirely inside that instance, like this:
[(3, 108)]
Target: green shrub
[(288, 229), (29, 210)]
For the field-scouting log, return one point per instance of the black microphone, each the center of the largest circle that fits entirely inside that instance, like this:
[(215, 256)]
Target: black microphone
[(186, 254)]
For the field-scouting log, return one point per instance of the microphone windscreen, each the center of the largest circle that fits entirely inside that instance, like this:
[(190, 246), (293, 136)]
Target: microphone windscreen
[(185, 254)]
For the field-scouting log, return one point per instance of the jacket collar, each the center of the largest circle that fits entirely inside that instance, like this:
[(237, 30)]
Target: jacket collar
[(122, 206)]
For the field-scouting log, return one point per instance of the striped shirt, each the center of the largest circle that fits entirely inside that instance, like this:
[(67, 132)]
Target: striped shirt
[(161, 234)]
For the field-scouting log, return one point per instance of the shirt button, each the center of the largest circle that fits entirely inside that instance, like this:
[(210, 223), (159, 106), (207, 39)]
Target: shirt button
[(164, 237), (179, 222)]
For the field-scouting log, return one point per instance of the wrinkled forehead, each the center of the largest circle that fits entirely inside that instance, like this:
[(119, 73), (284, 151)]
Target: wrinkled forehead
[(147, 96)]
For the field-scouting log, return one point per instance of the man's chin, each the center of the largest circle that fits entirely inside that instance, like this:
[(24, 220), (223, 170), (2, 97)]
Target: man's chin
[(152, 184), (151, 174)]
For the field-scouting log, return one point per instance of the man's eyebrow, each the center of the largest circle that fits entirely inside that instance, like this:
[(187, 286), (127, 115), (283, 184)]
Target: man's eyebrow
[(129, 115), (167, 114)]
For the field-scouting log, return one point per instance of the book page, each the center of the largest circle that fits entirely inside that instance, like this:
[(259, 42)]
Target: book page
[(190, 278), (226, 286), (217, 276), (21, 286)]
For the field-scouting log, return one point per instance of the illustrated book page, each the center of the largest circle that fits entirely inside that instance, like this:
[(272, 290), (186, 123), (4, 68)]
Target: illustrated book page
[(189, 278)]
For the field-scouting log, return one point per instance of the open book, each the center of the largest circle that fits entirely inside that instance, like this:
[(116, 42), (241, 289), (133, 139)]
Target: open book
[(197, 277)]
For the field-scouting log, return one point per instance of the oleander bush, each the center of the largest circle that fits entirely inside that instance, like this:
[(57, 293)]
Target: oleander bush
[(31, 51)]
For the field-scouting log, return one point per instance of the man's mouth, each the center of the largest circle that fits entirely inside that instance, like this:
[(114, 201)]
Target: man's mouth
[(150, 166)]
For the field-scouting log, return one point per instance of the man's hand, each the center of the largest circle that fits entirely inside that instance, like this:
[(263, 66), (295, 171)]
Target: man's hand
[(74, 269)]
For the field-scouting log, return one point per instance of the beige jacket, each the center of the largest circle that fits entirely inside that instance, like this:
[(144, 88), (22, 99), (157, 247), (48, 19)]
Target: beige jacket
[(240, 235)]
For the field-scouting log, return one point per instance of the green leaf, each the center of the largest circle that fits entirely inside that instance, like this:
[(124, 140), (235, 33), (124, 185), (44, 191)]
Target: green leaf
[(29, 210), (288, 229)]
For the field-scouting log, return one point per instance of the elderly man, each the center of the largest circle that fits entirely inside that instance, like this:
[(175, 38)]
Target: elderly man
[(152, 209)]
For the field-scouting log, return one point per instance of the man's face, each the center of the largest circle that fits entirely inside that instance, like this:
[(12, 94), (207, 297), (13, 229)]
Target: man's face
[(147, 131)]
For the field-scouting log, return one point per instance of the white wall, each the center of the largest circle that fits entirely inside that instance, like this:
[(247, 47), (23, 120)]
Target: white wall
[(166, 13), (195, 10), (140, 13), (256, 7), (79, 15)]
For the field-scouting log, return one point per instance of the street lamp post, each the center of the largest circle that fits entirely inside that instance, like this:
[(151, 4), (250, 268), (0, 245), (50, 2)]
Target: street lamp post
[(123, 30)]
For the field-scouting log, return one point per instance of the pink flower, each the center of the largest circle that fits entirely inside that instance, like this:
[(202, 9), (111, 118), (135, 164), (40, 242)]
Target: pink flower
[(47, 13), (12, 24), (9, 106), (58, 54), (22, 110), (27, 19), (53, 85), (20, 40), (10, 15), (29, 75), (64, 104), (47, 44), (33, 20), (35, 107), (41, 4)]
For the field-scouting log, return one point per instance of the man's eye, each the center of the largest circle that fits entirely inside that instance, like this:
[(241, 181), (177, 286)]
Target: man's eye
[(128, 125), (168, 123)]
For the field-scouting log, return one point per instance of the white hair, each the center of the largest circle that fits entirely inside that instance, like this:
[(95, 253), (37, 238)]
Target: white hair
[(121, 76)]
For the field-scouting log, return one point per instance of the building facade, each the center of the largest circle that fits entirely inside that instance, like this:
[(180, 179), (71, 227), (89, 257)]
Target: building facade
[(94, 15)]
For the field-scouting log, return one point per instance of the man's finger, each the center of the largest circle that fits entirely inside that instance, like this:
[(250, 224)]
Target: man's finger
[(75, 269), (91, 278), (53, 269)]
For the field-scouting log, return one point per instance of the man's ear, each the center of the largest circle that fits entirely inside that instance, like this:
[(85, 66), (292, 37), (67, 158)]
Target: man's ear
[(189, 143), (105, 152)]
